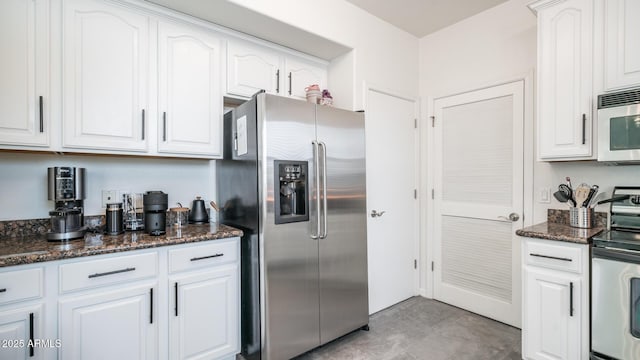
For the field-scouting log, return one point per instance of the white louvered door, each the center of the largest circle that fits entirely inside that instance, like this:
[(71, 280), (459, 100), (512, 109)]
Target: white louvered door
[(478, 152)]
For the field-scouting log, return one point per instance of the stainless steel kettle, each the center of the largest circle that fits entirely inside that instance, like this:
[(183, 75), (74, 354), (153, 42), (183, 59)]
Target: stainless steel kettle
[(198, 213)]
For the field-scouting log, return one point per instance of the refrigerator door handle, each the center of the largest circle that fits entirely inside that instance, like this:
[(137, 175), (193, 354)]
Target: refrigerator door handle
[(316, 169), (324, 233)]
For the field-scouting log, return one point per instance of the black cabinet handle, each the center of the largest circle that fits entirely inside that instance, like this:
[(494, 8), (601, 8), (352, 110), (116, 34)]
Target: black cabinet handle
[(3, 290), (41, 106), (289, 83), (164, 126), (111, 272), (584, 129), (550, 257), (31, 337), (206, 257), (143, 121), (175, 287), (151, 306), (571, 299), (278, 81)]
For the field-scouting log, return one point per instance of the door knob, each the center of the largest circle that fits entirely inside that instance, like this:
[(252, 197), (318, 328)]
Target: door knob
[(512, 217), (375, 213)]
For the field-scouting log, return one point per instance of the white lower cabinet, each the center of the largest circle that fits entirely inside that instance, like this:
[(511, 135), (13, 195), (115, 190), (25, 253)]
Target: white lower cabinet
[(21, 334), (203, 320), (115, 324), (555, 300)]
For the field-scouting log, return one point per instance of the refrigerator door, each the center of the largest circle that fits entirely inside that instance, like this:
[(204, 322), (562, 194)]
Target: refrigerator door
[(343, 238), (290, 300)]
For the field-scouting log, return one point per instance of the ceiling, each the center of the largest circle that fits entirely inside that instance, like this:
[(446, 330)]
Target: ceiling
[(423, 17)]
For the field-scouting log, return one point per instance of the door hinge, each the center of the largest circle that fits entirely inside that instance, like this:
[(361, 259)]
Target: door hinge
[(415, 263), (415, 193), (433, 194), (433, 121), (432, 266), (415, 123)]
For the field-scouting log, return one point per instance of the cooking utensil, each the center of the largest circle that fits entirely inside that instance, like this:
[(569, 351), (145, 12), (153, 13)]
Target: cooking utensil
[(561, 196), (569, 182), (568, 192), (214, 206), (613, 199), (581, 194), (592, 193)]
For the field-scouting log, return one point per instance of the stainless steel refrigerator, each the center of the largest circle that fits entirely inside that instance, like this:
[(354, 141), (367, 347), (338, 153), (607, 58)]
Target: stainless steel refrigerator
[(293, 179)]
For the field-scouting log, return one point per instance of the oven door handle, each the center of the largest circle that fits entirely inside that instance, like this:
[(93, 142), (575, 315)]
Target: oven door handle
[(628, 256)]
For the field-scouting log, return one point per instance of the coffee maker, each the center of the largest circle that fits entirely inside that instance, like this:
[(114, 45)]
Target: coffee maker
[(66, 188)]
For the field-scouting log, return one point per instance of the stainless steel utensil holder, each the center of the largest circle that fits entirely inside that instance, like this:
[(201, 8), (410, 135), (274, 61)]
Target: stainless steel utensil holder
[(580, 217)]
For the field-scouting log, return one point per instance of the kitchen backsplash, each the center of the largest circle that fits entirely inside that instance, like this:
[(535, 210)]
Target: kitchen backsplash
[(31, 227)]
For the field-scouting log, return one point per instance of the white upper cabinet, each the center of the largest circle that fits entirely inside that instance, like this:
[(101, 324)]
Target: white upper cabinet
[(251, 69), (189, 99), (565, 67), (24, 74), (622, 44), (301, 74), (105, 76)]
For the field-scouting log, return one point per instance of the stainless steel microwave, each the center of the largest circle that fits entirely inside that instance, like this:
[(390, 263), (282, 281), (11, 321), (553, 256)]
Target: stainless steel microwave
[(619, 126)]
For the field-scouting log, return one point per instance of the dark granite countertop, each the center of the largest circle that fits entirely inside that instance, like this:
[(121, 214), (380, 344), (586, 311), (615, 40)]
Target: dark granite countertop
[(560, 232), (35, 248)]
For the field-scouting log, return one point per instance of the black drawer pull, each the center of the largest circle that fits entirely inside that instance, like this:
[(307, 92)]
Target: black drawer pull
[(571, 299), (206, 257), (3, 290), (31, 335), (151, 306), (41, 109), (175, 289), (551, 257), (111, 272)]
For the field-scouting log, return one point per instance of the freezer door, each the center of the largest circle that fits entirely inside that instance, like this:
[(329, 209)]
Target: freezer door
[(286, 131), (343, 236)]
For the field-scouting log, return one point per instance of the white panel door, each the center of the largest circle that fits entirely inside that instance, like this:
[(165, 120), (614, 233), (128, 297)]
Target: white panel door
[(105, 66), (251, 69), (552, 318), (565, 56), (123, 316), (478, 179), (391, 142), (301, 74), (203, 322), (622, 44), (24, 63), (16, 327), (190, 99)]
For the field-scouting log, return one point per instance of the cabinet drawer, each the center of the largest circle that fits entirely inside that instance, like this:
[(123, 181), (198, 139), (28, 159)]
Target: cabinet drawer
[(92, 273), (553, 256), (20, 285), (213, 253)]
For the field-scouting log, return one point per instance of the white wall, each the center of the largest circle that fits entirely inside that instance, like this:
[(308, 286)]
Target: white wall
[(23, 180), (384, 55)]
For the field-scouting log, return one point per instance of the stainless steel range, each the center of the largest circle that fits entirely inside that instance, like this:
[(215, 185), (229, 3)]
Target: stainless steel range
[(615, 288)]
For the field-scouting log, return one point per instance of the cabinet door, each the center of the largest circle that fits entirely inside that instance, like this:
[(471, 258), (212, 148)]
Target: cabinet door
[(105, 60), (190, 110), (622, 44), (19, 329), (204, 314), (24, 95), (251, 69), (301, 74), (551, 315), (565, 52), (108, 325)]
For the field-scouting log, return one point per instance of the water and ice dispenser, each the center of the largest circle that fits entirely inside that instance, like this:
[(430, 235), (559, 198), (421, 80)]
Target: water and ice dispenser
[(292, 191)]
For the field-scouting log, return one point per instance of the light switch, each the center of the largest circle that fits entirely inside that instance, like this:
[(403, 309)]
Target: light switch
[(545, 195)]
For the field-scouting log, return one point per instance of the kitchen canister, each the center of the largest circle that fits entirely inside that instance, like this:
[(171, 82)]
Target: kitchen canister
[(114, 219), (581, 217)]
